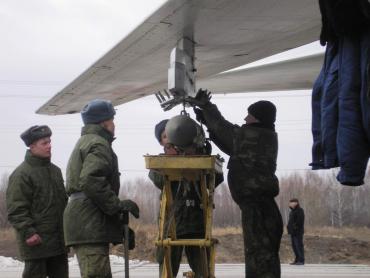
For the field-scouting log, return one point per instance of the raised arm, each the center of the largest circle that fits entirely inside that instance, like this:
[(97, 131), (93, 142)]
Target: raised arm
[(221, 131)]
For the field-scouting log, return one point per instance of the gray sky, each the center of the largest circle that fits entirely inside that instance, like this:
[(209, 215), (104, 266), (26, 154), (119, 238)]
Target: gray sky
[(47, 43)]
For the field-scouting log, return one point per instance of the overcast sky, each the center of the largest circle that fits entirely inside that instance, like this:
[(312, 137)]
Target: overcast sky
[(45, 44)]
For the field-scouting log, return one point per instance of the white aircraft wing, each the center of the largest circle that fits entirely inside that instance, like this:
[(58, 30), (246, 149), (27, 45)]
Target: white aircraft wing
[(294, 74), (227, 34)]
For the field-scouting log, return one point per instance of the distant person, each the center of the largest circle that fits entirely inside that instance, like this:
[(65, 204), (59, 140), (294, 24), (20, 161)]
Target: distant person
[(35, 200), (253, 149), (296, 230), (91, 218), (188, 211)]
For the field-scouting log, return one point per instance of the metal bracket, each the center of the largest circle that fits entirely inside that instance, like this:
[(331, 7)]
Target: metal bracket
[(181, 76)]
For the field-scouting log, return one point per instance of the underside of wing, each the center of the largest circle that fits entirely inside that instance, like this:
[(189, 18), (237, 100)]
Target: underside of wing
[(227, 34), (294, 74)]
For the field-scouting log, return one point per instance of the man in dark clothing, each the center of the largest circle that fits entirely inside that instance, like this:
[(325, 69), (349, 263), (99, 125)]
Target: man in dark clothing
[(91, 218), (35, 200), (188, 212), (252, 148), (296, 230)]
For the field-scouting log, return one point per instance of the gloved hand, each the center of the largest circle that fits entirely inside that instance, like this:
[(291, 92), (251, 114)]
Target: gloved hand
[(202, 98), (130, 206), (199, 115), (131, 239), (208, 147)]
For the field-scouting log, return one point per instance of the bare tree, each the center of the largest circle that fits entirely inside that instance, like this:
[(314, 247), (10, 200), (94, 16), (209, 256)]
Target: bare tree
[(325, 201)]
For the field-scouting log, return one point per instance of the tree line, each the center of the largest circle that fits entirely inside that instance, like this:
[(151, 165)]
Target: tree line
[(326, 203), (324, 200)]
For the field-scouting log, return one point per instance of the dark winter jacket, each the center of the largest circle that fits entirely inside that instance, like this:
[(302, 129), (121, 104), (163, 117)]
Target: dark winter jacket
[(296, 221), (253, 153), (325, 113), (93, 170), (343, 18), (340, 105), (340, 98), (35, 200), (188, 211)]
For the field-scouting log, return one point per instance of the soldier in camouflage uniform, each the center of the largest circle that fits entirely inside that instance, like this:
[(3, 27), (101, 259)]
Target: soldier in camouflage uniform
[(253, 149), (91, 218), (35, 200), (187, 211)]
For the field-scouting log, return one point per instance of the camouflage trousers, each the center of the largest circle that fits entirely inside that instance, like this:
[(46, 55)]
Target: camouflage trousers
[(193, 255), (262, 232), (93, 260), (52, 267)]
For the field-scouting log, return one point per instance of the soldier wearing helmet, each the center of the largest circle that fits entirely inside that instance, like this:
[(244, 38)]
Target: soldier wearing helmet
[(253, 149), (182, 135)]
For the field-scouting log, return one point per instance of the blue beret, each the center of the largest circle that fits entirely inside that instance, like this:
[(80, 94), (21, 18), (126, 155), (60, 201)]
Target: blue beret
[(159, 128), (97, 111), (35, 133)]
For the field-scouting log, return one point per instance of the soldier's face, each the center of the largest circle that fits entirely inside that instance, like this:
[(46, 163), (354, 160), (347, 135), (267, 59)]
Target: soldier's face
[(41, 148), (168, 148), (109, 125), (250, 119), (164, 139), (293, 204)]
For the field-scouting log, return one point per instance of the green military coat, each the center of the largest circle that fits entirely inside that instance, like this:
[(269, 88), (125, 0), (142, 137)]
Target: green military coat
[(35, 200), (253, 153), (93, 170)]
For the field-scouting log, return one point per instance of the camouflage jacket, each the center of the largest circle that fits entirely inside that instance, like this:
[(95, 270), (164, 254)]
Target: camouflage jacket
[(93, 170), (35, 200), (253, 153), (188, 211)]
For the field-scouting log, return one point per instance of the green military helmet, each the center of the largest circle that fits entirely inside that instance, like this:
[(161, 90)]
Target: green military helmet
[(184, 132)]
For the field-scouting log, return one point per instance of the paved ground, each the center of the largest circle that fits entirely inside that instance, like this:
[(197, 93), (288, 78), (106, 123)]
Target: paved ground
[(228, 271)]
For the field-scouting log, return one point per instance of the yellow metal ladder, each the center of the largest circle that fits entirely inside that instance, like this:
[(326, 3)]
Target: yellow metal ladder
[(201, 171)]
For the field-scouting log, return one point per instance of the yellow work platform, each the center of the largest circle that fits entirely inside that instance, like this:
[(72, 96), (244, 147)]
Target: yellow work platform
[(200, 170)]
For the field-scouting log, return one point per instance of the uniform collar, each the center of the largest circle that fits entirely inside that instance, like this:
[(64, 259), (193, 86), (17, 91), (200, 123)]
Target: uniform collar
[(98, 130), (35, 160), (262, 125)]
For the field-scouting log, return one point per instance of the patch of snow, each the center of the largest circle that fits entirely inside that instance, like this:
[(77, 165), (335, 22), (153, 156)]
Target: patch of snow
[(72, 261), (114, 261), (9, 262)]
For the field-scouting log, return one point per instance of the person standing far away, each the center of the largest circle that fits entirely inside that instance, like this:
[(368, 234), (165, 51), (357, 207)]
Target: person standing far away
[(35, 200), (253, 149), (92, 216), (296, 230)]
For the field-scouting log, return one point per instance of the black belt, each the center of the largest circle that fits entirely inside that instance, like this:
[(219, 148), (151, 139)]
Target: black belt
[(77, 195)]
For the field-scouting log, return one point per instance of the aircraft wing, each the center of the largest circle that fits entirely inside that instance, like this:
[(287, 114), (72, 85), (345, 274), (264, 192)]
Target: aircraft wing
[(294, 74), (227, 34)]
